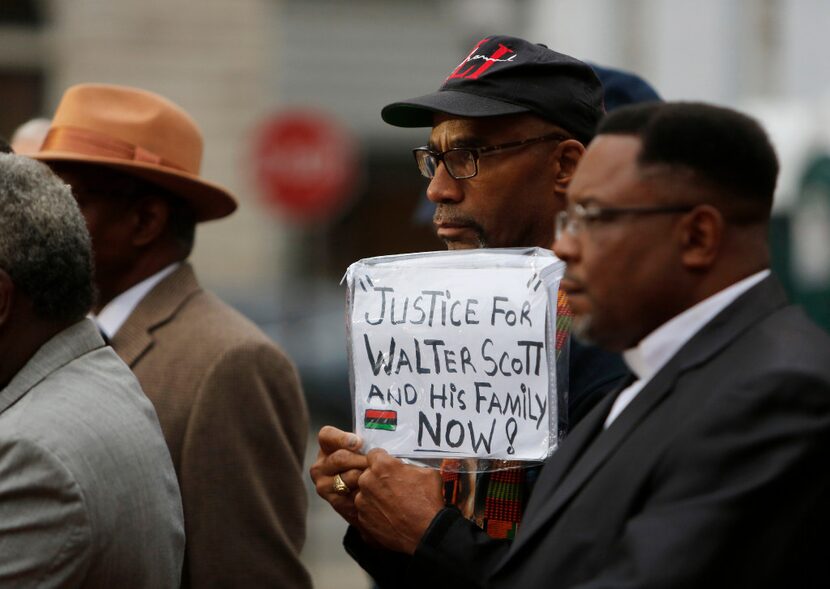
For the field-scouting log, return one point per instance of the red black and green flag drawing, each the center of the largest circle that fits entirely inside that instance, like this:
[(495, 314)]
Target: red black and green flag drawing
[(378, 419)]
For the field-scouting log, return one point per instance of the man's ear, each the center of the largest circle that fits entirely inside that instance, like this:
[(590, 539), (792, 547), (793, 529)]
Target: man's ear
[(701, 237), (7, 293), (568, 153), (150, 215)]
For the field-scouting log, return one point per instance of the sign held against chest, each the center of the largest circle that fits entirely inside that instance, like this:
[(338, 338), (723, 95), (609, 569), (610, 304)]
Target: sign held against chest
[(453, 353)]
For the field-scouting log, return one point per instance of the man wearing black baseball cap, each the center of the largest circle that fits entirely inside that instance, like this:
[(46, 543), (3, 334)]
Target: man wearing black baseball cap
[(509, 125)]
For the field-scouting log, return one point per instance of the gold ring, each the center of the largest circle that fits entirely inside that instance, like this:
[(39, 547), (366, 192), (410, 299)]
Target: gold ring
[(340, 487)]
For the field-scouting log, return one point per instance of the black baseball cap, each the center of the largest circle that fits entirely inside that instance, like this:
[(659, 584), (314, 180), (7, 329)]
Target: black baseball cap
[(507, 75)]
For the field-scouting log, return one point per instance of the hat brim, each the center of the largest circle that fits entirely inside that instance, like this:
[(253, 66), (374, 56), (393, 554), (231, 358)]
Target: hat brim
[(208, 201), (419, 112)]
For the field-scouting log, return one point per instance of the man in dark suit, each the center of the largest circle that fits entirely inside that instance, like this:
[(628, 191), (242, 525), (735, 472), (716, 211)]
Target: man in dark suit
[(708, 469), (228, 399)]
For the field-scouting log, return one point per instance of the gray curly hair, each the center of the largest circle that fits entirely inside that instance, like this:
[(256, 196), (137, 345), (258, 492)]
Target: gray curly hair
[(44, 244)]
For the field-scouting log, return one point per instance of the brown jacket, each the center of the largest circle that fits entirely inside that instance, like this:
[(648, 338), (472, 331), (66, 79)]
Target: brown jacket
[(232, 412)]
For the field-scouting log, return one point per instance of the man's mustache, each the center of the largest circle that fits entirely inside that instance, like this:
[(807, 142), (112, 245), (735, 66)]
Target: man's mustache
[(445, 215)]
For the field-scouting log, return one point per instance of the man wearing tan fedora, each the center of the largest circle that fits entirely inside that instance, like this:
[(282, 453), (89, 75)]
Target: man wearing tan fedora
[(229, 401)]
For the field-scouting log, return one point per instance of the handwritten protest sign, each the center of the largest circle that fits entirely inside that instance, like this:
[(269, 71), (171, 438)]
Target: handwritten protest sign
[(451, 353)]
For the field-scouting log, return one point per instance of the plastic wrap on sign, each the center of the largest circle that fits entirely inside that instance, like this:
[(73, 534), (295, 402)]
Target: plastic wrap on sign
[(453, 355)]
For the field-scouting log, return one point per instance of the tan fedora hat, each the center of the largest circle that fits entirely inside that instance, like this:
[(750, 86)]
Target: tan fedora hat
[(137, 132)]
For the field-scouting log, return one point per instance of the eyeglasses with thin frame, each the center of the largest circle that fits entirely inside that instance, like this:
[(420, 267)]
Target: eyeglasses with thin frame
[(461, 163), (580, 216)]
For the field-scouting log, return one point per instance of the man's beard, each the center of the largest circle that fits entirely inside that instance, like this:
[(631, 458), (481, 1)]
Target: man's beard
[(581, 328)]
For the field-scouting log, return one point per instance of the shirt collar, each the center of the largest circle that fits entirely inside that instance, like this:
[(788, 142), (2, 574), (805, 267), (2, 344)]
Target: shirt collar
[(115, 313), (657, 348)]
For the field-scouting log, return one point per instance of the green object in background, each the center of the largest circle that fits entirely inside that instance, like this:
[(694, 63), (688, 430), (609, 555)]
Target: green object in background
[(808, 261), (779, 240)]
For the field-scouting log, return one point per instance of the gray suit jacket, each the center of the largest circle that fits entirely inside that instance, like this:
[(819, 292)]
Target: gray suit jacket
[(88, 494)]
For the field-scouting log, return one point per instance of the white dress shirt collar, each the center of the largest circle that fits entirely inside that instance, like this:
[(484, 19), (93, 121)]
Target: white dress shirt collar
[(115, 313), (660, 346)]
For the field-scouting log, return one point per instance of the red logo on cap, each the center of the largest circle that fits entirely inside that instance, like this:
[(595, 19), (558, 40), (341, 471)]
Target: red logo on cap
[(489, 61)]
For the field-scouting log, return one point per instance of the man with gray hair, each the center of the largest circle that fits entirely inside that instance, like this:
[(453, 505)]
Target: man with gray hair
[(88, 494)]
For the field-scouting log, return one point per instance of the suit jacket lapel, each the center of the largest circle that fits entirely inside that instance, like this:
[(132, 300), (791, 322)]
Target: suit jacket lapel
[(570, 450), (581, 455), (135, 337), (63, 348)]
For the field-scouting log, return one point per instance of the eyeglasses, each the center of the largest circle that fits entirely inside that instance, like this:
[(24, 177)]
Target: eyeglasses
[(579, 216), (462, 162)]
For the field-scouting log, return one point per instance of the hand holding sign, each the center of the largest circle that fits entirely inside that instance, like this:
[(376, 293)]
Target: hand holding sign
[(452, 353), (338, 455), (396, 501)]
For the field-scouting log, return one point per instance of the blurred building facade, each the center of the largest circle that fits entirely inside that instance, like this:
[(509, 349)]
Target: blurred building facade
[(231, 64)]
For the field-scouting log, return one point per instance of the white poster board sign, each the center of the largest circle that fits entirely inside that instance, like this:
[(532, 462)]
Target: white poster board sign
[(452, 353)]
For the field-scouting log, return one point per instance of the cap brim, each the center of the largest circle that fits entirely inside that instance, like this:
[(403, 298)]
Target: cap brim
[(418, 112), (208, 201)]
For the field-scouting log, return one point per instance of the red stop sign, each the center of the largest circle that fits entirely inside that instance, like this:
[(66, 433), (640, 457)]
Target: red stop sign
[(306, 163)]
